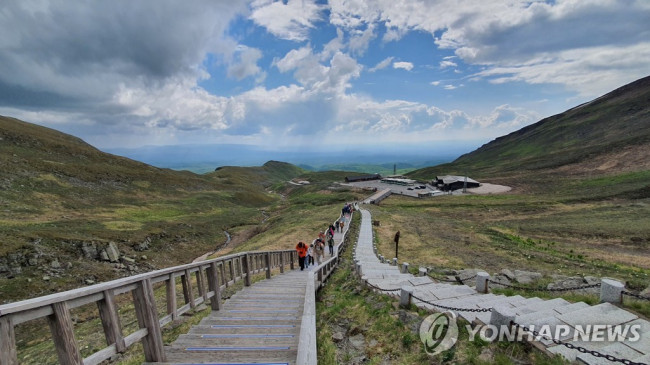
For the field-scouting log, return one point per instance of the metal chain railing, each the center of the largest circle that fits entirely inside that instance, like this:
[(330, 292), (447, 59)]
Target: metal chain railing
[(544, 289), (381, 289), (476, 310), (578, 348), (637, 296), (456, 279)]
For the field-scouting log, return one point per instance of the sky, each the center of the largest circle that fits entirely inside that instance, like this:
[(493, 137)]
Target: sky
[(306, 74)]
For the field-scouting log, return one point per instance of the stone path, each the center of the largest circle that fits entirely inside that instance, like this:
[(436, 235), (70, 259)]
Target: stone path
[(528, 311)]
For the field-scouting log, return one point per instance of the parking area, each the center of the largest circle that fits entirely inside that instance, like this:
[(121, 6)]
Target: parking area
[(397, 189)]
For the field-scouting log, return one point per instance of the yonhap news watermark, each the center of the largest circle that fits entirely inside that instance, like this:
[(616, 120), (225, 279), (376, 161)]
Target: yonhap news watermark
[(439, 332), (560, 332)]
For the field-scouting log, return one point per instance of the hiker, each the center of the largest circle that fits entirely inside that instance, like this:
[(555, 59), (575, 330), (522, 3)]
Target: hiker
[(396, 239), (341, 224), (331, 230), (330, 243), (321, 236), (302, 254), (337, 225), (310, 255), (319, 250)]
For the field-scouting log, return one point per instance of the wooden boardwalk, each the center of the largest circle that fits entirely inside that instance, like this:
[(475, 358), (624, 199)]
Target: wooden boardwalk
[(264, 323), (260, 324)]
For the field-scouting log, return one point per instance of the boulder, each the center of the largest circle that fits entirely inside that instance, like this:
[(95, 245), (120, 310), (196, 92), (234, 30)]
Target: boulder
[(526, 277), (507, 273), (112, 252), (89, 250), (358, 341)]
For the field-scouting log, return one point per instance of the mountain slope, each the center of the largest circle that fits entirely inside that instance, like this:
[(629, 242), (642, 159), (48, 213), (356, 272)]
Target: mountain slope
[(63, 202), (598, 130)]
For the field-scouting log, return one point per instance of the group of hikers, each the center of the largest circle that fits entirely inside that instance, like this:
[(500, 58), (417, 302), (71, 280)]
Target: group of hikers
[(314, 253)]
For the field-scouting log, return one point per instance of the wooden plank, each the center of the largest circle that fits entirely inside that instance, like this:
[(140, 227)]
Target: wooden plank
[(247, 271), (267, 262), (145, 310), (63, 335), (231, 266), (187, 289), (111, 322), (307, 342), (223, 274), (200, 282), (213, 284), (8, 355), (172, 304), (101, 355)]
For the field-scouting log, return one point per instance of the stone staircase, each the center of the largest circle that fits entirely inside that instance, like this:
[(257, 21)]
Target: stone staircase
[(527, 311)]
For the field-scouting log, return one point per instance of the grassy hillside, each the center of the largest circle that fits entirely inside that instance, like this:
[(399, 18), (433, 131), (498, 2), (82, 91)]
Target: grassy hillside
[(63, 202), (607, 135)]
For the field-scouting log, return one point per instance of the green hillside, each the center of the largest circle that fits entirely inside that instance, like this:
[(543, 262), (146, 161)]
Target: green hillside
[(63, 202), (596, 131)]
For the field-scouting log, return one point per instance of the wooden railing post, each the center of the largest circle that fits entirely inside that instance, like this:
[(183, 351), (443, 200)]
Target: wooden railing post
[(214, 286), (247, 271), (8, 355), (172, 306), (231, 264), (222, 268), (187, 289), (111, 321), (63, 335), (145, 310), (200, 282), (281, 262), (291, 261), (267, 258)]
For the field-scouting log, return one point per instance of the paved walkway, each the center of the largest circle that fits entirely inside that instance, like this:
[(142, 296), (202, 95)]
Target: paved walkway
[(529, 311), (260, 324)]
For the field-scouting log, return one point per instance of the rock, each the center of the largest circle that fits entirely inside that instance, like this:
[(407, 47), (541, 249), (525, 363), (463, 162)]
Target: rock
[(338, 337), (103, 255), (128, 259), (486, 355), (89, 250), (500, 279), (112, 252), (55, 264), (143, 257), (143, 246), (645, 292), (527, 277), (46, 278), (358, 341), (508, 274), (410, 320), (89, 282), (591, 280)]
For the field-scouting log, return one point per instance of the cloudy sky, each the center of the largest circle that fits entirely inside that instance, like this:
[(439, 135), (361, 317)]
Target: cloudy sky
[(309, 73)]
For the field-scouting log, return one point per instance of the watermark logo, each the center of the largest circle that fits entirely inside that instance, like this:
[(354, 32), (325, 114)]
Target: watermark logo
[(439, 332)]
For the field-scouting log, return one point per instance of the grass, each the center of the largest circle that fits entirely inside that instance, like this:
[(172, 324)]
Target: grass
[(391, 334)]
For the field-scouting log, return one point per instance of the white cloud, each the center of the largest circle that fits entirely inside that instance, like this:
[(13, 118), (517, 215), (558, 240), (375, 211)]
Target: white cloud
[(446, 64), (408, 66), (382, 65), (291, 20), (435, 83)]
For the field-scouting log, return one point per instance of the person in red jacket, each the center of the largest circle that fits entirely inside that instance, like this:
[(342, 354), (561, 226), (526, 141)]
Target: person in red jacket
[(302, 254)]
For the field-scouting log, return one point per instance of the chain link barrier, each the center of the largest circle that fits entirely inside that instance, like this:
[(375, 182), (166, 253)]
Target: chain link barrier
[(475, 310), (544, 289), (381, 289), (637, 296), (582, 350), (456, 279)]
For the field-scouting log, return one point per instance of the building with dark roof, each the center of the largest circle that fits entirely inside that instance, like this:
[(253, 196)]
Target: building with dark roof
[(362, 178), (453, 182)]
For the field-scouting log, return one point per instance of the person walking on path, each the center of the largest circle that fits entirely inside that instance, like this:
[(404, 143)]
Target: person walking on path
[(319, 250), (337, 225), (330, 243), (341, 224), (310, 255), (301, 248), (396, 239)]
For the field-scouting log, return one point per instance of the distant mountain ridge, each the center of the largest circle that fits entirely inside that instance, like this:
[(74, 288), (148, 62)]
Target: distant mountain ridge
[(600, 130)]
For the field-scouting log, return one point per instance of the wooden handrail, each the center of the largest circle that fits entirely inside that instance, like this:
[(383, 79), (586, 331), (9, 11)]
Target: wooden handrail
[(56, 307)]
